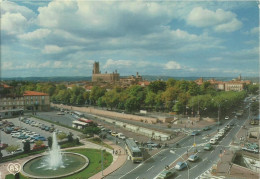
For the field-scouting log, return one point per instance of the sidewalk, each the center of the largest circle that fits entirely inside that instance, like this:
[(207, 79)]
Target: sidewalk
[(118, 160)]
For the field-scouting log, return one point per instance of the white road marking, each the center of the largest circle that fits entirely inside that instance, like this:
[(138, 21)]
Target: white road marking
[(150, 168), (163, 158), (137, 177), (211, 152), (141, 163)]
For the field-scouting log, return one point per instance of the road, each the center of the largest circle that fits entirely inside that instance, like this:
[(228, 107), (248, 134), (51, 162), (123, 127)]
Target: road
[(151, 167)]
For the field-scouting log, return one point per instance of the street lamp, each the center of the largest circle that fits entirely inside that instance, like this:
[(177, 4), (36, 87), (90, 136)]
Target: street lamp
[(173, 152), (219, 104)]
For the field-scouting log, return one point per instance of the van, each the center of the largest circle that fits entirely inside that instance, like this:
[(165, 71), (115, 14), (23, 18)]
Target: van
[(213, 141)]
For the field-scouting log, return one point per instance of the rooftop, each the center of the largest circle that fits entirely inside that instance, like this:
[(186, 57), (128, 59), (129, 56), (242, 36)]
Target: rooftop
[(34, 93)]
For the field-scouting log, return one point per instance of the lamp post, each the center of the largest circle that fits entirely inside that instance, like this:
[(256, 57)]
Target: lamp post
[(219, 104), (173, 152)]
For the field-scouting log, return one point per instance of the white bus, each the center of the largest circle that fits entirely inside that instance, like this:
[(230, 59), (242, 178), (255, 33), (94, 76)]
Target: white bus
[(77, 114), (133, 151)]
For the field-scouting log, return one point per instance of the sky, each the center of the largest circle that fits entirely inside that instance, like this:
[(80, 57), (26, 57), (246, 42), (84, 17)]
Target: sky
[(169, 38)]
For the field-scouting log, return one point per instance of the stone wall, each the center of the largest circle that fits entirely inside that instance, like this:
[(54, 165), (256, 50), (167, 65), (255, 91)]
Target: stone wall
[(112, 114)]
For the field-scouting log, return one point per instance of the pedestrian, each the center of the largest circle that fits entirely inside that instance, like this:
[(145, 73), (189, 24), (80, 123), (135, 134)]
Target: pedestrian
[(113, 151), (119, 151), (116, 152)]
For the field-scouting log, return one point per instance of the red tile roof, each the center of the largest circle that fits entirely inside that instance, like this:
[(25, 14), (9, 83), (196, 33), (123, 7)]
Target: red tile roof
[(34, 93)]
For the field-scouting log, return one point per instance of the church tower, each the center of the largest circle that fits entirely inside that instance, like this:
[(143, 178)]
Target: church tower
[(96, 68)]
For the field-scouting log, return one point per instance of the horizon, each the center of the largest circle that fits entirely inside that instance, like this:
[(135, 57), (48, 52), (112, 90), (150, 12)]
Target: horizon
[(177, 38)]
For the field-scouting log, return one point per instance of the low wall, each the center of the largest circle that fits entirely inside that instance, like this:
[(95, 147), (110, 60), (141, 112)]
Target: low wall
[(92, 110)]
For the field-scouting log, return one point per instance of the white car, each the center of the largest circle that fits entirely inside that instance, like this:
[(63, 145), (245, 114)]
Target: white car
[(16, 135), (213, 141), (121, 136), (227, 117)]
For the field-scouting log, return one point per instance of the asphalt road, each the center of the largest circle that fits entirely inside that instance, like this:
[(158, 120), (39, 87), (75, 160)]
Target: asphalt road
[(151, 167)]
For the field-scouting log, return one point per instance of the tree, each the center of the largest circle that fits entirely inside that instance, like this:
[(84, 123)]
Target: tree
[(12, 148), (49, 142), (1, 155), (150, 99), (156, 86), (70, 137), (92, 130), (170, 82), (101, 102), (132, 104), (62, 136), (96, 93), (26, 147), (111, 98)]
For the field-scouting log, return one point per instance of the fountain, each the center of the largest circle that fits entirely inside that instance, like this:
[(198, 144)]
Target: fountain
[(56, 164)]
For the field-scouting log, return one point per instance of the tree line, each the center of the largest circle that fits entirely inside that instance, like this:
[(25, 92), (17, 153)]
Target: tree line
[(178, 96)]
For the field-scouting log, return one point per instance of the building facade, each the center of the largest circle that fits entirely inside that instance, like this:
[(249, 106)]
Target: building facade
[(97, 76), (234, 85), (30, 100)]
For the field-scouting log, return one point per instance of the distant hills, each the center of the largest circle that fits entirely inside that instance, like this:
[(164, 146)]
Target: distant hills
[(146, 77)]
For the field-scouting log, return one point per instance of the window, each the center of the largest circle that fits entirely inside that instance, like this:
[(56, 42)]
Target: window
[(31, 97), (43, 97)]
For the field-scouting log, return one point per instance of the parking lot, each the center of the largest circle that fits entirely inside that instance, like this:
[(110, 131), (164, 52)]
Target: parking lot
[(30, 130)]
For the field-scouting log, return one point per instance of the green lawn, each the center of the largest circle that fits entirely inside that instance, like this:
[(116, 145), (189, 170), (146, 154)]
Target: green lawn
[(94, 166)]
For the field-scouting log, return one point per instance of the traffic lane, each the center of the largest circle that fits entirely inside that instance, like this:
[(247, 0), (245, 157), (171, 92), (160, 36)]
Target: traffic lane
[(211, 157), (145, 166), (162, 160)]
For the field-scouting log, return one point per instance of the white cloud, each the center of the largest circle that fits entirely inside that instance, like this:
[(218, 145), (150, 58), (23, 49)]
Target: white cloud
[(118, 63), (51, 49), (254, 30), (13, 23), (172, 65), (35, 35), (221, 21), (13, 8)]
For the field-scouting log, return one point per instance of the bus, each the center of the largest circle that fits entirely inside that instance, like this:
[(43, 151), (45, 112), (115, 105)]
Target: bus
[(77, 114), (133, 151)]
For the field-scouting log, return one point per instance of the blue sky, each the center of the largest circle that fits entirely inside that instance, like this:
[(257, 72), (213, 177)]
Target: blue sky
[(173, 38)]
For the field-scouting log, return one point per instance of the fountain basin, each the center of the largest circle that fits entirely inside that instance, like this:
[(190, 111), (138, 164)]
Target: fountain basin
[(72, 163)]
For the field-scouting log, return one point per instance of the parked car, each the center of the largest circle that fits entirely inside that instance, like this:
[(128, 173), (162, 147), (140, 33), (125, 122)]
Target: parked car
[(207, 147), (194, 133), (227, 117), (165, 174), (193, 158), (40, 138), (206, 128), (151, 144), (181, 165)]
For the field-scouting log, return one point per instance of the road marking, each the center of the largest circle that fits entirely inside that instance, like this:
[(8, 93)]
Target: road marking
[(150, 168), (142, 163), (178, 176), (137, 177), (163, 158), (211, 152)]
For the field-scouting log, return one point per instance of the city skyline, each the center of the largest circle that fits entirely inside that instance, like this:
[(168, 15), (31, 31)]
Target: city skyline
[(182, 39)]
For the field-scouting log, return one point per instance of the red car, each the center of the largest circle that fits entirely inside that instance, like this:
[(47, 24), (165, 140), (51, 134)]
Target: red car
[(3, 146)]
